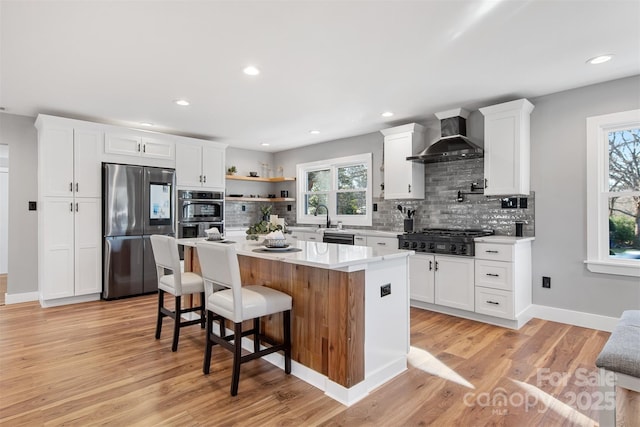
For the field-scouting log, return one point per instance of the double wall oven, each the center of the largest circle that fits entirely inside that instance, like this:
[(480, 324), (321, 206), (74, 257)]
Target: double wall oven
[(199, 211)]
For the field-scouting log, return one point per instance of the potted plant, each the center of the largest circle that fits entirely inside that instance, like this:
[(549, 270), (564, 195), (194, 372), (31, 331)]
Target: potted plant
[(260, 229), (231, 170)]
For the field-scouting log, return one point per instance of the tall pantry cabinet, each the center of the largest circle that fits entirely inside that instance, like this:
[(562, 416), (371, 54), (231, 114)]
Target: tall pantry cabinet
[(69, 211)]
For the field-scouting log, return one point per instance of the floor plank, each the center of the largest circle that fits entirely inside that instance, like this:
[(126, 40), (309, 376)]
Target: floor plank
[(98, 363)]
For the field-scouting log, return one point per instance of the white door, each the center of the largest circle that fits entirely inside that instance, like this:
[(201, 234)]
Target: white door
[(213, 167), (421, 277), (397, 177), (56, 161), (129, 145), (4, 208), (88, 252), (188, 165), (56, 268), (157, 148), (454, 282), (87, 170)]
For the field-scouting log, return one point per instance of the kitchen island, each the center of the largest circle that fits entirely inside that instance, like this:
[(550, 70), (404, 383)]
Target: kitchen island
[(350, 317)]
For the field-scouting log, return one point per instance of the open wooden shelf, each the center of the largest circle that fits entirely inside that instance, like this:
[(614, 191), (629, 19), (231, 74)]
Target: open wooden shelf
[(260, 179), (260, 199)]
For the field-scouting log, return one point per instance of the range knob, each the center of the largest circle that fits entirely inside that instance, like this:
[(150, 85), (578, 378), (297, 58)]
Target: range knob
[(463, 249), (405, 244), (414, 245), (432, 245), (423, 245), (453, 248)]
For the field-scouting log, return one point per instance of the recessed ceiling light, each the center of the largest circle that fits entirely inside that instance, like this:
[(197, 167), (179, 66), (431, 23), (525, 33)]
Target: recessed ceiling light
[(265, 144), (251, 71), (387, 114), (600, 59), (314, 132), (182, 102), (146, 124)]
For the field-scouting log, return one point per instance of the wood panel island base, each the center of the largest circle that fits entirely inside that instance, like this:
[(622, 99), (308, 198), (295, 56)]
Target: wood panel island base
[(350, 316)]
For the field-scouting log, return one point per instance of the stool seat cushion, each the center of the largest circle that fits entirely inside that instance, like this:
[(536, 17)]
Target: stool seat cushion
[(621, 353), (191, 283), (257, 301)]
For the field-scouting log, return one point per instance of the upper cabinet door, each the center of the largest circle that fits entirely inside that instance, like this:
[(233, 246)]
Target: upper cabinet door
[(86, 153), (507, 148), (55, 152), (129, 145), (213, 166), (157, 148), (188, 164), (403, 179)]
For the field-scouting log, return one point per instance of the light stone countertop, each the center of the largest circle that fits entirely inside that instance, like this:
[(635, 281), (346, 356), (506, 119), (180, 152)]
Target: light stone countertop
[(316, 254), (509, 240)]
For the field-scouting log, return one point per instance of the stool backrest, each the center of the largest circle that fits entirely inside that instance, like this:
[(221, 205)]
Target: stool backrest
[(220, 267), (165, 253)]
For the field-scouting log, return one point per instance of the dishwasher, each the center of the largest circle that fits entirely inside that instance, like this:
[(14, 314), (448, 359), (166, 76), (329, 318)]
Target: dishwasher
[(339, 238)]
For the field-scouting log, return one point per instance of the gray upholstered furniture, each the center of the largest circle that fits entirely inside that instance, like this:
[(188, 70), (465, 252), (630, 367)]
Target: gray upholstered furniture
[(619, 363), (178, 283), (237, 303)]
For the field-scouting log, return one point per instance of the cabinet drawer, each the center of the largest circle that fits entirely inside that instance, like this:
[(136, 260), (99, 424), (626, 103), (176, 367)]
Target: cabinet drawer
[(382, 242), (494, 251), (360, 240), (494, 274), (494, 302)]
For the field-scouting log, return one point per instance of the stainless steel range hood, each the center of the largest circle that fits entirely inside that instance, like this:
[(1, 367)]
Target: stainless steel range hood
[(454, 144)]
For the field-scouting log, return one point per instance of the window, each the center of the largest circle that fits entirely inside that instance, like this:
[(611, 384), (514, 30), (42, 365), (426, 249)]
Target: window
[(613, 193), (339, 187)]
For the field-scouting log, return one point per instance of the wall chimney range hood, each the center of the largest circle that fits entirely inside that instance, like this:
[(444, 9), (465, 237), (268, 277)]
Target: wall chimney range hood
[(454, 144)]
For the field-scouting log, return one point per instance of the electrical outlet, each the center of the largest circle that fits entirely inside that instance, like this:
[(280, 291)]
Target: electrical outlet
[(244, 208), (523, 203), (288, 208), (509, 203), (32, 206), (546, 282), (385, 290), (375, 207)]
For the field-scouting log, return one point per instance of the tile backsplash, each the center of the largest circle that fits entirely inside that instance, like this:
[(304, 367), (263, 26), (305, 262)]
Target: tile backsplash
[(439, 209)]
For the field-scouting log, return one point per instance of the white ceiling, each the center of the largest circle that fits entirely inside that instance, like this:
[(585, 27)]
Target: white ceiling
[(334, 66)]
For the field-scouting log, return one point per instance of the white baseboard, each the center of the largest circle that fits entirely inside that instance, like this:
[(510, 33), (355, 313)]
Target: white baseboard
[(575, 318), (23, 297)]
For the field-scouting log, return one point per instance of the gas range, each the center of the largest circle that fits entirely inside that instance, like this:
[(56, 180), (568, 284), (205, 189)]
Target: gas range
[(442, 240)]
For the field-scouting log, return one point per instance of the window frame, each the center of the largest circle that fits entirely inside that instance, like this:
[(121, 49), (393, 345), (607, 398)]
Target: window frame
[(333, 165), (598, 128)]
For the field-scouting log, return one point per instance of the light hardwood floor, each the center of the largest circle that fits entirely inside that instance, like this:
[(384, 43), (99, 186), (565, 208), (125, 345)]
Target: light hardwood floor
[(98, 363)]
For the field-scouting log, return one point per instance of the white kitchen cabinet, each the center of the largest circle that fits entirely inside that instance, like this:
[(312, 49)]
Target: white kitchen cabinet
[(507, 148), (131, 144), (422, 277), (360, 240), (69, 161), (69, 217), (382, 242), (70, 247), (502, 276), (200, 165), (403, 179), (454, 285)]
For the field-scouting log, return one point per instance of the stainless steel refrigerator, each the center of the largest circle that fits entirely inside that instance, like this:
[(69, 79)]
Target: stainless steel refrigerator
[(137, 202)]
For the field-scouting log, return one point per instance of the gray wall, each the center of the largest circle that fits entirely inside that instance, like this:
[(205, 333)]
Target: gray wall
[(19, 133), (558, 174)]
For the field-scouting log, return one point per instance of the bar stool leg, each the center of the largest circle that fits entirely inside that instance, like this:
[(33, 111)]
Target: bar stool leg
[(176, 327), (206, 365), (256, 335), (160, 315), (203, 312), (237, 354), (286, 318)]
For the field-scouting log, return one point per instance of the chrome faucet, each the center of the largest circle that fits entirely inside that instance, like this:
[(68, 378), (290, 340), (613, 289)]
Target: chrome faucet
[(327, 210)]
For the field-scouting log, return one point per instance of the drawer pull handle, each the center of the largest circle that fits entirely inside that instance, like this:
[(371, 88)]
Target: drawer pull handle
[(491, 252), (493, 275), (493, 302), (430, 265)]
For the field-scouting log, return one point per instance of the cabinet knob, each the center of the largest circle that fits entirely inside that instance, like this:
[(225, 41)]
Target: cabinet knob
[(138, 147), (76, 207), (436, 265), (409, 188), (77, 187), (205, 178), (71, 207), (430, 265), (493, 275), (144, 148), (493, 302), (71, 187)]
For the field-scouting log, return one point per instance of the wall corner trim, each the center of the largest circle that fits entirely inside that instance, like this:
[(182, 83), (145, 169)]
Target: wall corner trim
[(575, 318)]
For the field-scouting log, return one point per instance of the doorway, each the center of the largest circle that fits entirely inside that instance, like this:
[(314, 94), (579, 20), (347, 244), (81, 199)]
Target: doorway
[(4, 219)]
